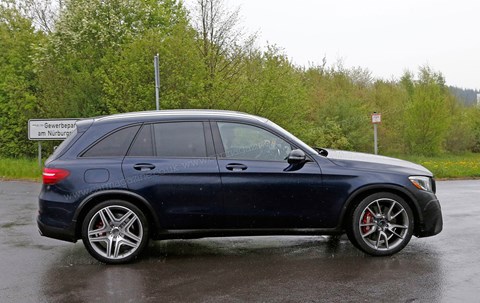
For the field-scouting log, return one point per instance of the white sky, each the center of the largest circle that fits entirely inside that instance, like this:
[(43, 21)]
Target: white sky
[(386, 37)]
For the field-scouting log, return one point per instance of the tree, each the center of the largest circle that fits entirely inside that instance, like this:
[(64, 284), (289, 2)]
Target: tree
[(129, 84), (342, 100), (427, 114), (271, 86), (223, 47), (18, 81), (390, 98), (475, 116), (86, 42)]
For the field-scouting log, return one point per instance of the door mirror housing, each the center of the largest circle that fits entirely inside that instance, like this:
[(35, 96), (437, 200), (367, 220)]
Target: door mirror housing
[(296, 156)]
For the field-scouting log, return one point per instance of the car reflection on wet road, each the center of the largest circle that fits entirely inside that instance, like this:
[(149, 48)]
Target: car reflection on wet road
[(444, 268)]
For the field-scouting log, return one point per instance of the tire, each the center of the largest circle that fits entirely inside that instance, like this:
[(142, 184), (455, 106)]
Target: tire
[(115, 232), (381, 224)]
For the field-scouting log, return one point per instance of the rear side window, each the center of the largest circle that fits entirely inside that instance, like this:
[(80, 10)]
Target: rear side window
[(180, 139), (64, 145), (113, 145)]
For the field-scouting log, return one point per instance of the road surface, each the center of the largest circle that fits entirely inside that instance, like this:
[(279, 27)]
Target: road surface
[(444, 268)]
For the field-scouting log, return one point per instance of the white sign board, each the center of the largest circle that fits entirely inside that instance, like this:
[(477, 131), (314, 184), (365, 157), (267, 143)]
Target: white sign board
[(50, 129), (376, 118)]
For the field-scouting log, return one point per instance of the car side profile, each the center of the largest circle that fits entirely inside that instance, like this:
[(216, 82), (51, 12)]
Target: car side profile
[(119, 181)]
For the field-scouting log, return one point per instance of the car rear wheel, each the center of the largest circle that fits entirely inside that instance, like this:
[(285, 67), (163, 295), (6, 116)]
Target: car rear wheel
[(381, 225), (115, 231)]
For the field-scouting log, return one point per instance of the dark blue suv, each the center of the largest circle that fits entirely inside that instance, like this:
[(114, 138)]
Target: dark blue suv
[(121, 180)]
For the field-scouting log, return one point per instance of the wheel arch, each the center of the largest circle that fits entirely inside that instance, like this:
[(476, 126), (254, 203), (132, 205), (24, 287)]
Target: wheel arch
[(356, 197), (97, 197)]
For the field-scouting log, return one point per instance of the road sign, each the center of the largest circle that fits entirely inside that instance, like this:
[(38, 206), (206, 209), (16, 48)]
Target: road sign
[(376, 118), (50, 129)]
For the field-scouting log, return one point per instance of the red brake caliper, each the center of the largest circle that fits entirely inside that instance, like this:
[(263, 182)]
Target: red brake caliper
[(98, 226), (367, 218)]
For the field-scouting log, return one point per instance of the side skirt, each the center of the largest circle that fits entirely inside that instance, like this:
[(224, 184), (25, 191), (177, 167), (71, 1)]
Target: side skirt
[(206, 233)]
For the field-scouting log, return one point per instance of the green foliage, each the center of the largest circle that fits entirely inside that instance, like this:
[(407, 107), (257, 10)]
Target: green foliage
[(475, 117), (18, 82), (272, 87), (461, 133), (427, 114), (128, 83), (390, 99), (90, 41), (223, 48), (96, 58), (329, 134), (337, 96)]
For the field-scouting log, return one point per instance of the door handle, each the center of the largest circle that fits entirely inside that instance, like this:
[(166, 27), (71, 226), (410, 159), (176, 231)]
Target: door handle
[(144, 166), (236, 167)]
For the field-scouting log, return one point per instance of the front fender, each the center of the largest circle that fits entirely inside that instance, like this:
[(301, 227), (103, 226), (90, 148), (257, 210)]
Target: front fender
[(358, 195)]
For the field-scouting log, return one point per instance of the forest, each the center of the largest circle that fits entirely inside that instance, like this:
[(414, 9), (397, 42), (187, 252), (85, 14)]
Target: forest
[(84, 58)]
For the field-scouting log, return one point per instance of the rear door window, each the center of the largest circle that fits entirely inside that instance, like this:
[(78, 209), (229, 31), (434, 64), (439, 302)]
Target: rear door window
[(143, 144), (170, 139), (180, 139)]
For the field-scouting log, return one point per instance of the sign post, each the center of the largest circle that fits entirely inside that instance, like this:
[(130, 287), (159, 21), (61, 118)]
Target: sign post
[(157, 81), (40, 154), (376, 119), (49, 129)]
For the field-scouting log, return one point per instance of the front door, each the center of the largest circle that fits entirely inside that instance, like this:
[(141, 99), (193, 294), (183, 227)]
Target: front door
[(259, 190)]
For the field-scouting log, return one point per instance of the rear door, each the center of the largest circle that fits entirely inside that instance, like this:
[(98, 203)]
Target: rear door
[(173, 165)]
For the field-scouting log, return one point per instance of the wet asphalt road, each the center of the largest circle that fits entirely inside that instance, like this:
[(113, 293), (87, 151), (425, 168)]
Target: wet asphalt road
[(444, 268)]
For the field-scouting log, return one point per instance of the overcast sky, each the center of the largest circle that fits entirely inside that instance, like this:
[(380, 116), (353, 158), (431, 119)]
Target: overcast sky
[(385, 36)]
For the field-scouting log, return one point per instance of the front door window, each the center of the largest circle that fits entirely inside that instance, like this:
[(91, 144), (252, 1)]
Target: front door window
[(246, 142)]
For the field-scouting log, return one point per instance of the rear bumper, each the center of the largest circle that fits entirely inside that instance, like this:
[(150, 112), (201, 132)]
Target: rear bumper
[(55, 216), (65, 234)]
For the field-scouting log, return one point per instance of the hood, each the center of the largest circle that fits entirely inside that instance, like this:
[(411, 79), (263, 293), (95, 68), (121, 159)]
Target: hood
[(374, 162)]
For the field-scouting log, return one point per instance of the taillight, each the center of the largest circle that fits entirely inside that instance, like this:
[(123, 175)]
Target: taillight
[(54, 175)]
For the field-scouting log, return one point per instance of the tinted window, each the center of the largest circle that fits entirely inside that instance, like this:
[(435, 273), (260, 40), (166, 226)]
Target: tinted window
[(64, 145), (241, 141), (143, 144), (113, 145), (180, 139)]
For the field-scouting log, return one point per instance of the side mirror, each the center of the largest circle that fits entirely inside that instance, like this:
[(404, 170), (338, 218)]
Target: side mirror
[(296, 156)]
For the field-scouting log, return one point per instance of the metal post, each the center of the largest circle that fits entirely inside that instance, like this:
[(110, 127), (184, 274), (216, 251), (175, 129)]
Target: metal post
[(375, 139), (157, 81), (40, 154)]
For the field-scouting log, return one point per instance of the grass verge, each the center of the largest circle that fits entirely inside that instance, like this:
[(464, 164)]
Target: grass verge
[(22, 169), (450, 166)]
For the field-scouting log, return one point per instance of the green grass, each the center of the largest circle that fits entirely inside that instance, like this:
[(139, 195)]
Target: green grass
[(449, 166), (25, 169), (443, 166)]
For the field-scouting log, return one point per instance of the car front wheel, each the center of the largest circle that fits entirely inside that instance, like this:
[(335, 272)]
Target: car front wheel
[(381, 225), (115, 231)]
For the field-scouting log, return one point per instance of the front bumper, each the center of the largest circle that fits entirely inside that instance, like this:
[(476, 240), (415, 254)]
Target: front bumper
[(431, 222)]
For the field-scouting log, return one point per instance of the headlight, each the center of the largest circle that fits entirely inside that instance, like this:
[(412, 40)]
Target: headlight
[(422, 182)]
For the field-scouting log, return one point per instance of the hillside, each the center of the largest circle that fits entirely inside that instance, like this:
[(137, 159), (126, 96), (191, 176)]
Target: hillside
[(467, 96)]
